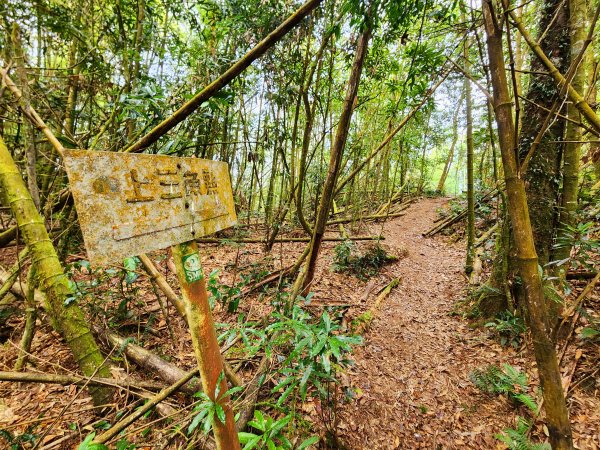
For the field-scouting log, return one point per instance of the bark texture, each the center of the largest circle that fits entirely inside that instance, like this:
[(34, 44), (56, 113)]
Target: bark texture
[(557, 415), (65, 314)]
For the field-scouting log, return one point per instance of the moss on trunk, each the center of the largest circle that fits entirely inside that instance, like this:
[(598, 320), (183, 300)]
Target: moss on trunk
[(65, 315)]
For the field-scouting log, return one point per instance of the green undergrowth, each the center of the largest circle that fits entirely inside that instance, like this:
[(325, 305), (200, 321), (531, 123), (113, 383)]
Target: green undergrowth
[(510, 382), (348, 259)]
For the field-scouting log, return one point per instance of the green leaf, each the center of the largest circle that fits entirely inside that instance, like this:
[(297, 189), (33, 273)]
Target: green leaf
[(306, 375), (196, 421), (87, 444), (131, 264), (589, 333), (251, 443), (245, 437), (220, 413), (307, 442)]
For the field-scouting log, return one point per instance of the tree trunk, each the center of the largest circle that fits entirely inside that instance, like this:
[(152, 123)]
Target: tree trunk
[(65, 314), (30, 150), (543, 173), (470, 158), (573, 136), (557, 414), (306, 276)]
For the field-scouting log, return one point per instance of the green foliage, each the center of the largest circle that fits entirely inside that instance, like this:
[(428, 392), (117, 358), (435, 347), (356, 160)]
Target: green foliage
[(363, 266), (20, 441), (87, 443), (583, 246), (271, 434), (317, 352), (592, 331), (229, 296), (209, 411), (252, 335), (508, 381), (517, 438), (509, 327), (130, 265)]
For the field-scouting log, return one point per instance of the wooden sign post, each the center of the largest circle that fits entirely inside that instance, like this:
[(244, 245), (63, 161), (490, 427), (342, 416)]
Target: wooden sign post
[(130, 204)]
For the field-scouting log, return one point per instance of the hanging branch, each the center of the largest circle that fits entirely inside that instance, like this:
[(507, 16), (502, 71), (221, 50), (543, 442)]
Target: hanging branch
[(578, 101), (390, 136), (238, 67)]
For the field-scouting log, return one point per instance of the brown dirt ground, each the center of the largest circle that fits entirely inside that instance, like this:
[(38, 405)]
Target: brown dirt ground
[(412, 374), (411, 377)]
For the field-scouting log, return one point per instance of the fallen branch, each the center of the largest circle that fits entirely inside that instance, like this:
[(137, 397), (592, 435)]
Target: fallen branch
[(289, 239), (8, 235), (579, 275), (363, 321), (393, 199), (151, 403), (164, 369), (371, 217), (456, 217), (485, 236), (65, 380)]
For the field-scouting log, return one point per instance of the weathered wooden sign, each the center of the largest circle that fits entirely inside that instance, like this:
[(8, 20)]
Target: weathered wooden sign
[(130, 204)]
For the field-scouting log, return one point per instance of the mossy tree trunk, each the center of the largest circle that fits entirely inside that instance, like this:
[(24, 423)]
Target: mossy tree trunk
[(542, 177), (573, 136), (65, 315), (557, 415)]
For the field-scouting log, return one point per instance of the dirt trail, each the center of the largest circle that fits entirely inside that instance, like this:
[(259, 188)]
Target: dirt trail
[(411, 376)]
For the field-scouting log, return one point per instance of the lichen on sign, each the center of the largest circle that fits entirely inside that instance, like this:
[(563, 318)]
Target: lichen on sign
[(130, 204)]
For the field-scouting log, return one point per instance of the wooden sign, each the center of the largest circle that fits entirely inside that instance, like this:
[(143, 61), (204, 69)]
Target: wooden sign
[(130, 204)]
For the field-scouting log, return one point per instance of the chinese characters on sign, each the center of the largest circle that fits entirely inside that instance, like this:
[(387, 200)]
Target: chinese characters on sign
[(179, 185), (134, 203)]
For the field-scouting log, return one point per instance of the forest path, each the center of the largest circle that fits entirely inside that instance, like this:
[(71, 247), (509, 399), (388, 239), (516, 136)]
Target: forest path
[(411, 376)]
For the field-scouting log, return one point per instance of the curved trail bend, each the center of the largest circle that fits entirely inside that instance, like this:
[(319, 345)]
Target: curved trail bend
[(411, 376)]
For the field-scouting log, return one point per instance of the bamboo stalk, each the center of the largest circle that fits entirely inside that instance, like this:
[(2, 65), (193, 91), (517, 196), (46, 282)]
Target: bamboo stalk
[(67, 318), (162, 284), (557, 414)]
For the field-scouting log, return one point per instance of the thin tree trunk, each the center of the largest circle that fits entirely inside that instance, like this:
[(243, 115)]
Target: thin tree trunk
[(306, 276), (557, 414), (470, 157), (30, 150), (442, 182), (573, 136)]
